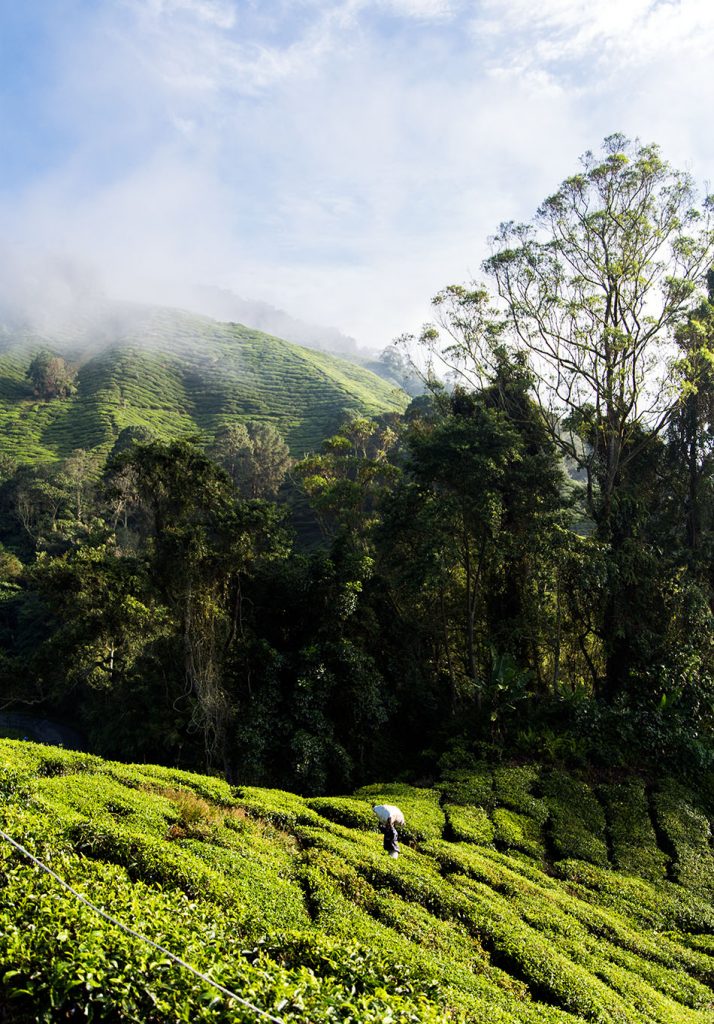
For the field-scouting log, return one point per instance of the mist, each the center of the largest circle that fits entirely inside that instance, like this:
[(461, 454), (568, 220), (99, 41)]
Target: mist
[(44, 296), (317, 171)]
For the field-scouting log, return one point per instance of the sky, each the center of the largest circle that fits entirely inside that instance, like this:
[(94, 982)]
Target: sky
[(341, 159)]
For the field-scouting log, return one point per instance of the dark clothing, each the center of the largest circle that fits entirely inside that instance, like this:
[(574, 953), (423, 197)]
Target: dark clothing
[(390, 838)]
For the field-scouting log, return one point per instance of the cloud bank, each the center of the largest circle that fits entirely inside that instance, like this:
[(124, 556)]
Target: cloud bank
[(341, 160)]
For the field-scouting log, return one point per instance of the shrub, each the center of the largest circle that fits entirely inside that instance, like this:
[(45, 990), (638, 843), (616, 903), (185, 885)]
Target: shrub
[(102, 799), (285, 810), (214, 790), (424, 818), (513, 788), (577, 823), (59, 962), (661, 907), (268, 900), (463, 786), (518, 832), (634, 844), (469, 824), (686, 829), (345, 811), (437, 956), (536, 958)]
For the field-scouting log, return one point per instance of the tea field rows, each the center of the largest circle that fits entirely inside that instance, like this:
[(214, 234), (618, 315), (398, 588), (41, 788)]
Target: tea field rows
[(521, 895), (177, 373)]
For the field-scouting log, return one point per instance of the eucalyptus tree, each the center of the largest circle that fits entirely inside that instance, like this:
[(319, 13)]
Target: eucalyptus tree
[(594, 289)]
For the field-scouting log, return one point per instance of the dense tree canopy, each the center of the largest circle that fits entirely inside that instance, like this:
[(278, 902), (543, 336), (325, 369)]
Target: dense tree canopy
[(522, 561)]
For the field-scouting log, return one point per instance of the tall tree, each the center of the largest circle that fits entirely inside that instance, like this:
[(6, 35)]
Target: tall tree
[(691, 432), (347, 480), (463, 541), (595, 288), (255, 456), (201, 541), (50, 376)]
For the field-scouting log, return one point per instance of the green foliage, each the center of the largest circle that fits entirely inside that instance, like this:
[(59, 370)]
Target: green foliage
[(291, 903), (345, 811), (50, 376), (424, 817), (688, 832), (471, 824), (10, 566), (285, 810), (661, 908), (468, 786), (634, 843), (255, 457), (577, 822), (513, 788), (517, 832)]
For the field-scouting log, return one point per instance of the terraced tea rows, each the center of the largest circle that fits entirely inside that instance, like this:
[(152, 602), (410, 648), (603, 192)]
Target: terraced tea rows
[(503, 907), (178, 373)]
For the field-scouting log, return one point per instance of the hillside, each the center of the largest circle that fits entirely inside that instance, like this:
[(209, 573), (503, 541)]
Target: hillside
[(520, 896), (176, 373)]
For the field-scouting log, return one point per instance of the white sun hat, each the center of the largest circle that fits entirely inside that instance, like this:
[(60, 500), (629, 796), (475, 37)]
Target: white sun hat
[(386, 811)]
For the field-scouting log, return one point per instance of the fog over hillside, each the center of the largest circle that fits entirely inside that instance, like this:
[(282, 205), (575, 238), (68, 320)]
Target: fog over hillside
[(222, 304), (54, 296)]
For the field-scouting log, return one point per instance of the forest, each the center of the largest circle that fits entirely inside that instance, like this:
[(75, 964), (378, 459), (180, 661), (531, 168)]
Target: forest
[(518, 566)]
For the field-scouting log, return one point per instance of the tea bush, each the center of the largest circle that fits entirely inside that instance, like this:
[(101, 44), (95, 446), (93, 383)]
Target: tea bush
[(345, 811), (537, 959), (513, 788), (460, 786), (688, 832), (469, 824), (293, 904), (422, 812), (518, 832), (284, 810), (577, 822), (634, 844), (655, 906)]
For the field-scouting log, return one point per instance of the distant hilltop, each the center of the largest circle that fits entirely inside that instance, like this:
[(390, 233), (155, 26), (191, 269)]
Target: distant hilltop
[(174, 373)]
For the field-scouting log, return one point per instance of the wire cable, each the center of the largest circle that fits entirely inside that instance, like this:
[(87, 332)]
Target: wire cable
[(137, 935)]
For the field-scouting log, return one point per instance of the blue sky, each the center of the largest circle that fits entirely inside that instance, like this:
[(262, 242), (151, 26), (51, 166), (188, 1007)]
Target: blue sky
[(342, 159)]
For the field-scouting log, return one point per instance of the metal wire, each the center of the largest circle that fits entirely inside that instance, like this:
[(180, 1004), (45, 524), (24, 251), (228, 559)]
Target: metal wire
[(138, 935)]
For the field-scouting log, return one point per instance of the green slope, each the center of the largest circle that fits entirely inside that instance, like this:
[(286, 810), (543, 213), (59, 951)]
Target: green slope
[(175, 373), (291, 903)]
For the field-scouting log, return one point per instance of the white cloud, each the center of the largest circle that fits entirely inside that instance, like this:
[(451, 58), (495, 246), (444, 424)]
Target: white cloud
[(213, 47), (220, 13), (609, 35), (425, 10), (293, 151)]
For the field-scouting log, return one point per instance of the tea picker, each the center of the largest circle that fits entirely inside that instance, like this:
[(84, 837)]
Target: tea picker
[(389, 817)]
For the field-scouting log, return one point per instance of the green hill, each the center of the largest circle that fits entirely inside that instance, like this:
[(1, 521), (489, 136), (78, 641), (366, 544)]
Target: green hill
[(521, 896), (177, 373)]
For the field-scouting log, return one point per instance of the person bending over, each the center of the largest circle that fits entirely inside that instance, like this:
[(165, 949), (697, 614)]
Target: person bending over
[(391, 844)]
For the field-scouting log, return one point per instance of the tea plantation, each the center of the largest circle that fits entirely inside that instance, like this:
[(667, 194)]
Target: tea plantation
[(522, 895), (177, 373)]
